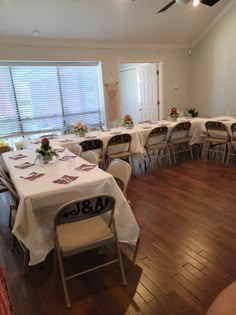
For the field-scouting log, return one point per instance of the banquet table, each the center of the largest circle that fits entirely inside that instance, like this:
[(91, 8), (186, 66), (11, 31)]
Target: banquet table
[(41, 197), (226, 120), (139, 135)]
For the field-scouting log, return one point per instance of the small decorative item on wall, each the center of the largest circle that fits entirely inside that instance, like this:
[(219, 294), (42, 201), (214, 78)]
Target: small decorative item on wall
[(112, 100)]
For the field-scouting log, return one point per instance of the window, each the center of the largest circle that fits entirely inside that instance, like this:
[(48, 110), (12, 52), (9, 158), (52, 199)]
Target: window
[(48, 97)]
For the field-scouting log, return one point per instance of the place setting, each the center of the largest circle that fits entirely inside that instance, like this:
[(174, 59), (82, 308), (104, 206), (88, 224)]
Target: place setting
[(31, 176), (65, 179), (86, 167), (17, 157), (24, 165), (68, 158)]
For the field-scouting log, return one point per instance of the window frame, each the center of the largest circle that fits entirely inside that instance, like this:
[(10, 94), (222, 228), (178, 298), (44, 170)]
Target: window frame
[(63, 116)]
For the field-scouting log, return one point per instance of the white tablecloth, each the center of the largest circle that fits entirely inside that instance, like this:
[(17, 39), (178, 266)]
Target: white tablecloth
[(39, 199)]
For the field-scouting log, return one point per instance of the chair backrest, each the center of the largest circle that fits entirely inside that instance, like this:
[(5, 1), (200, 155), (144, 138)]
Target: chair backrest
[(11, 191), (77, 149), (181, 130), (93, 145), (119, 143), (233, 130), (4, 174), (121, 170), (217, 129), (90, 156), (157, 135), (84, 208)]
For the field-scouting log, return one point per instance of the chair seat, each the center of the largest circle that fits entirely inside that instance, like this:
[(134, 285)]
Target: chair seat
[(82, 233), (181, 140), (216, 140), (119, 155)]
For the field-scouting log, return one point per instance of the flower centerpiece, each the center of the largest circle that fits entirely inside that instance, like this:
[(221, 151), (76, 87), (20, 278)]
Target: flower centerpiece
[(80, 128), (127, 121), (45, 153), (174, 114)]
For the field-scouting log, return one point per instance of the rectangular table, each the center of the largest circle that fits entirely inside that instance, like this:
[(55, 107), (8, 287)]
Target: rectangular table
[(40, 198)]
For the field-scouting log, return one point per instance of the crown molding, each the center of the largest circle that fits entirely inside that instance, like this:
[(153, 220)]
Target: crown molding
[(212, 24), (83, 44)]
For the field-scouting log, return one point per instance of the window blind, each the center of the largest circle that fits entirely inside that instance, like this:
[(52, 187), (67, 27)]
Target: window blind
[(49, 97)]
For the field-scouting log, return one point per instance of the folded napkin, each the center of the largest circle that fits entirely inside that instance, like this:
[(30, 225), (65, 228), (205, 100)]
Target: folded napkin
[(68, 157), (66, 140), (90, 137), (17, 157), (32, 176), (65, 179), (85, 167), (60, 150), (24, 165)]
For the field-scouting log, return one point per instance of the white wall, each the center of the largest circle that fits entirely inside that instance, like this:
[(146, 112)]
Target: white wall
[(175, 64), (213, 69)]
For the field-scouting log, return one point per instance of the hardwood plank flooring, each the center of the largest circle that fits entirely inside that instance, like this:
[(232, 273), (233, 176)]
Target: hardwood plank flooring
[(187, 252)]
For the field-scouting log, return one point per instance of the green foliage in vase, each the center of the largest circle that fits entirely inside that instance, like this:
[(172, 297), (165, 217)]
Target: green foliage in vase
[(192, 112)]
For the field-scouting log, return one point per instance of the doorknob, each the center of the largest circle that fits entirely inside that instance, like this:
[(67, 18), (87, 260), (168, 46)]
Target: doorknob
[(140, 109)]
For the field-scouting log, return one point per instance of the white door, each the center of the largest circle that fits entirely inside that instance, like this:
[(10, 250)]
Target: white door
[(129, 93), (148, 92)]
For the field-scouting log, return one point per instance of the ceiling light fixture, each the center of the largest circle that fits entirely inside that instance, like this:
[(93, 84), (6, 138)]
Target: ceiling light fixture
[(196, 3)]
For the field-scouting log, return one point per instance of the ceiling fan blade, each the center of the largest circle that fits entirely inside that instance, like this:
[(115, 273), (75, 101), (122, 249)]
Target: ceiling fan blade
[(209, 2), (167, 6)]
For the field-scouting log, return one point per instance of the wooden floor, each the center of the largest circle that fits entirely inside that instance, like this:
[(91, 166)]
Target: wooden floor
[(187, 252)]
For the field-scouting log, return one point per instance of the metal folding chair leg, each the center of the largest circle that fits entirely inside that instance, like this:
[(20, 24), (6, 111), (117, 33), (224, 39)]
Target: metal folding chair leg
[(122, 271), (63, 279)]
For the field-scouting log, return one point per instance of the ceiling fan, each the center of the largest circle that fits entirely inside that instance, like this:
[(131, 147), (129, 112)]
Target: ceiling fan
[(206, 2)]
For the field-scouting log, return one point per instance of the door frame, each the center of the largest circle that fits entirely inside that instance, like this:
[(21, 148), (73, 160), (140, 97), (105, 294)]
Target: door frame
[(161, 80)]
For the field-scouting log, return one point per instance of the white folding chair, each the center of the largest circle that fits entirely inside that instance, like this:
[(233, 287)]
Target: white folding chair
[(217, 138), (122, 171), (77, 149), (232, 142), (95, 145), (118, 147), (79, 226), (157, 144), (14, 202), (91, 157), (179, 139)]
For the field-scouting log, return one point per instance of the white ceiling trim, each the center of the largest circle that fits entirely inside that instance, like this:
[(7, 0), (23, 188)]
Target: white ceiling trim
[(212, 24), (95, 45)]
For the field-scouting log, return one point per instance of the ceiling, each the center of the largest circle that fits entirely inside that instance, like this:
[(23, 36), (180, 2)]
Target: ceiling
[(122, 21)]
